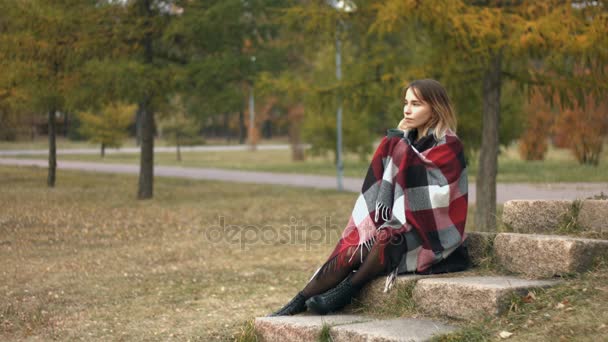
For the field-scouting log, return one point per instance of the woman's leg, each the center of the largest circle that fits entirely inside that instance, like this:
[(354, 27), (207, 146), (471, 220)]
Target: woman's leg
[(368, 263), (374, 263), (327, 277), (334, 271)]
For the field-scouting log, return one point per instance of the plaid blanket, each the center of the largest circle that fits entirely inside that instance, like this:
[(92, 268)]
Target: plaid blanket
[(421, 196)]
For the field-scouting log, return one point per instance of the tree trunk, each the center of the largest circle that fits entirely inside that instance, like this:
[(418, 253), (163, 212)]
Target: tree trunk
[(297, 150), (485, 213), (50, 181), (146, 164), (242, 127), (146, 161), (138, 127), (103, 150)]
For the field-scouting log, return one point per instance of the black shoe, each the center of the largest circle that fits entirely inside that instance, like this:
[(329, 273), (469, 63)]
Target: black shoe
[(334, 299), (295, 306)]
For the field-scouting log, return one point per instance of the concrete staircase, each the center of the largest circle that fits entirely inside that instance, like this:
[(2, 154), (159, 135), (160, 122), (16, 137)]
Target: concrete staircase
[(526, 261)]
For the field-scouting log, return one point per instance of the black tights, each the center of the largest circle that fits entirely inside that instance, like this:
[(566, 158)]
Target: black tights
[(333, 271)]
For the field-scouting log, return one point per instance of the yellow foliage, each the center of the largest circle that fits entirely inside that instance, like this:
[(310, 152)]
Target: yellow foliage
[(108, 126), (521, 27), (533, 142)]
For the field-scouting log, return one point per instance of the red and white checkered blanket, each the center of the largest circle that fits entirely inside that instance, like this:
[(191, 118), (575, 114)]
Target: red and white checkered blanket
[(405, 191)]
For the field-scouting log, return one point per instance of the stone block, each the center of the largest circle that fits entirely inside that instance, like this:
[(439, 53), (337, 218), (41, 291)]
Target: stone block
[(534, 216), (480, 247), (400, 329), (303, 327), (542, 256), (373, 293), (593, 215), (471, 297)]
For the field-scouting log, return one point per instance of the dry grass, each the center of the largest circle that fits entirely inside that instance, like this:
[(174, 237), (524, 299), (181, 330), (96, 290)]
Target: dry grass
[(572, 311), (86, 261)]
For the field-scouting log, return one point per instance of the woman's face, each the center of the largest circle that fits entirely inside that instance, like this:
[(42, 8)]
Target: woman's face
[(416, 112)]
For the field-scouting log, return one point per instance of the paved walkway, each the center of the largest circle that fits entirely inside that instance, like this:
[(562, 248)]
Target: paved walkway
[(505, 191), (132, 150)]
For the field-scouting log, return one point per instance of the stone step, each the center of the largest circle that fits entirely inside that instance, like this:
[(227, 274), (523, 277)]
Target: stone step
[(348, 328), (543, 256), (545, 217), (372, 294), (303, 327), (471, 297), (398, 329), (481, 247)]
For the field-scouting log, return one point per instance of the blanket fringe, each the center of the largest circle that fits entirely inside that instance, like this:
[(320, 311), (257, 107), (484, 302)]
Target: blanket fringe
[(368, 244), (390, 280), (382, 211)]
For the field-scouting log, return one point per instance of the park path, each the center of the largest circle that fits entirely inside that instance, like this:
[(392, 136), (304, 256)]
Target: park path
[(505, 191), (133, 150)]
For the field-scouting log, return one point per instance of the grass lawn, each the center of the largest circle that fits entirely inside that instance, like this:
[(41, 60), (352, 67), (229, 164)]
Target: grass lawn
[(86, 261), (559, 166)]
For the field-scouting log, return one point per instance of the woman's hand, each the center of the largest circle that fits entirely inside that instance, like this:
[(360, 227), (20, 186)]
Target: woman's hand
[(403, 125)]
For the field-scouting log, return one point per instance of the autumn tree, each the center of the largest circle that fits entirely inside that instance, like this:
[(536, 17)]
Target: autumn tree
[(177, 127), (228, 43), (529, 42), (107, 127), (585, 126), (141, 65), (42, 46), (533, 143), (367, 93)]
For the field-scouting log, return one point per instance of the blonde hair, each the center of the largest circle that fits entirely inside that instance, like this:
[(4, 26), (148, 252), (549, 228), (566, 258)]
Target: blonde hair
[(443, 117)]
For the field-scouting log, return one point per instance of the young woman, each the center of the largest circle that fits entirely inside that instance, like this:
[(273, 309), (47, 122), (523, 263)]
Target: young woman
[(411, 212)]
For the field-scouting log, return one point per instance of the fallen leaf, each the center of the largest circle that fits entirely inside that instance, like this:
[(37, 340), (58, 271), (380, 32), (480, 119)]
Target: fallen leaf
[(505, 334), (560, 306), (529, 298)]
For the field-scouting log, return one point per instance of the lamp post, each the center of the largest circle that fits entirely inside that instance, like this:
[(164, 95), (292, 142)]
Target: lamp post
[(343, 6)]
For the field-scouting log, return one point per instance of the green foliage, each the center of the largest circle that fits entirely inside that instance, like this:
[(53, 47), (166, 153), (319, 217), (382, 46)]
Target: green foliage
[(325, 333), (109, 126), (227, 43), (177, 127), (378, 61)]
